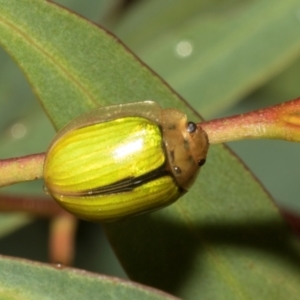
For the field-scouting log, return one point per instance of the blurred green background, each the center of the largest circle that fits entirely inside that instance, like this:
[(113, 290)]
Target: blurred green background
[(223, 57)]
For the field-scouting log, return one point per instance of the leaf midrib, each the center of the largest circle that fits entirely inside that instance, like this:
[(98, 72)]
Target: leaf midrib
[(50, 58)]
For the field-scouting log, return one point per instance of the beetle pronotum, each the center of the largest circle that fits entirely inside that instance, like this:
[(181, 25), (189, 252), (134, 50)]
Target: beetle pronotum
[(123, 160)]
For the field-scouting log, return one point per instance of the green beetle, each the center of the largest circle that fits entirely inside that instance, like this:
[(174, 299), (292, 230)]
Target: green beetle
[(123, 160)]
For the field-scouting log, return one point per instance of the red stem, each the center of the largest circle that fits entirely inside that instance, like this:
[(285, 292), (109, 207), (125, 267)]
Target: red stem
[(18, 169), (277, 122), (35, 205)]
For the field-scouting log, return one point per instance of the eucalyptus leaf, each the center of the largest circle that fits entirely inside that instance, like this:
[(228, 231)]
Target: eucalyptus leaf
[(224, 239), (19, 134), (214, 52), (21, 279), (283, 172), (96, 11)]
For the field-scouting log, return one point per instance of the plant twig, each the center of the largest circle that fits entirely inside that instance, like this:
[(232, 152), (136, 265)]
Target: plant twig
[(277, 122), (19, 169), (40, 206), (62, 239)]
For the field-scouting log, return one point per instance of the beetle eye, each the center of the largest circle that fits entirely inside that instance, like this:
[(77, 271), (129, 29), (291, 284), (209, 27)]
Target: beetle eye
[(191, 127), (201, 162), (177, 170)]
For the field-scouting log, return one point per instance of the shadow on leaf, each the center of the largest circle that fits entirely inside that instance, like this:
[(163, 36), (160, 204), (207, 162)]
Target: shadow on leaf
[(165, 254)]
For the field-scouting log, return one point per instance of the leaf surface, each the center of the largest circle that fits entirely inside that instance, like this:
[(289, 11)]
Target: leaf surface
[(214, 52), (21, 279), (224, 239)]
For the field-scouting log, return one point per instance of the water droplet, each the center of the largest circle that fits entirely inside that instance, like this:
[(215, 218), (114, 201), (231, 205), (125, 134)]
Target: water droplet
[(184, 48), (18, 131)]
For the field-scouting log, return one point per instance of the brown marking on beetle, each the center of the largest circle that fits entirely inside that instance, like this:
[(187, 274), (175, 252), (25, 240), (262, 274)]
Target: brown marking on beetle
[(172, 155), (172, 127), (186, 144), (191, 160)]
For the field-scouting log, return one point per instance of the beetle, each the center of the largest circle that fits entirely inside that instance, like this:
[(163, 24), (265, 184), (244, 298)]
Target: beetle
[(122, 160)]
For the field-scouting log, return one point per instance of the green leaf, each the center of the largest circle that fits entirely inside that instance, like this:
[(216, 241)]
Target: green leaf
[(81, 85), (21, 279), (282, 178), (11, 222), (236, 46), (224, 239), (96, 11), (19, 109)]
